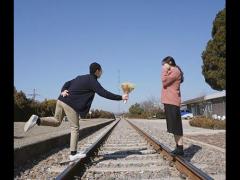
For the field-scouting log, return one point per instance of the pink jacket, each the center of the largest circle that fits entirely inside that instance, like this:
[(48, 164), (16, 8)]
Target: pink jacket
[(171, 80)]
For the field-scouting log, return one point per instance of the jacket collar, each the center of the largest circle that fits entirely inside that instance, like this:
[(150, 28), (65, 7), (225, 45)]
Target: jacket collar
[(95, 77)]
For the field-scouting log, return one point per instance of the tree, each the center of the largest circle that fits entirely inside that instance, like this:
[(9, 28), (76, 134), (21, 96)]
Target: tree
[(24, 107), (150, 104), (136, 109), (96, 113), (20, 106), (149, 108), (20, 99), (47, 107), (214, 57)]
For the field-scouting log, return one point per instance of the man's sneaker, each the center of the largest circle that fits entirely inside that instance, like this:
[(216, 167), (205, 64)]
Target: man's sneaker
[(78, 155), (30, 123)]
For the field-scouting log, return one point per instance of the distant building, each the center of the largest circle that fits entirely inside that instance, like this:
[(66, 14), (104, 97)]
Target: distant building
[(213, 105)]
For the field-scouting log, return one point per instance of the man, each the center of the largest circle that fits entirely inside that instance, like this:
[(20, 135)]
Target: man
[(75, 99)]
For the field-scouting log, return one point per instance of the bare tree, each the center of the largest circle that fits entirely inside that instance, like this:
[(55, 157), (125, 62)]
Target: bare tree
[(151, 106)]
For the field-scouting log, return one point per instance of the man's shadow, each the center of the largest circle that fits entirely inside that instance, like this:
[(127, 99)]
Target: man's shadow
[(190, 152), (18, 137), (119, 155)]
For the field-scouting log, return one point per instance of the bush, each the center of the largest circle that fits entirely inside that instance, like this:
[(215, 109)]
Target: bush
[(161, 115), (207, 123), (135, 116), (100, 114)]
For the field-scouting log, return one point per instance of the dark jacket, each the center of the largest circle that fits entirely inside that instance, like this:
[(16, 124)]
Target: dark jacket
[(81, 92)]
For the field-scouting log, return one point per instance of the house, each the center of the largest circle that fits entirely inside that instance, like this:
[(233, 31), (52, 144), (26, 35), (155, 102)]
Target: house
[(212, 105)]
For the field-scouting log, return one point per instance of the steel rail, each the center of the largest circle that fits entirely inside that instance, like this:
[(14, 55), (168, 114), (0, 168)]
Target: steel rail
[(78, 168)]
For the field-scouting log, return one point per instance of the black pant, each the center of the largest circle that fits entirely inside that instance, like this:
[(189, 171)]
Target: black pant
[(174, 121)]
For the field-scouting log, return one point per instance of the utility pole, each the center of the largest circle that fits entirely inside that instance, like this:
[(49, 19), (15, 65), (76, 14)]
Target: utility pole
[(34, 94), (119, 89)]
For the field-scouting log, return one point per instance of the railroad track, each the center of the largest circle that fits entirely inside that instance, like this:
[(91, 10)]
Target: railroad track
[(48, 165), (123, 151)]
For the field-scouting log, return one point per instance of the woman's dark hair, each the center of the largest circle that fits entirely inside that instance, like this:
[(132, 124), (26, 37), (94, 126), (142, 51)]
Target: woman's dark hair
[(171, 62)]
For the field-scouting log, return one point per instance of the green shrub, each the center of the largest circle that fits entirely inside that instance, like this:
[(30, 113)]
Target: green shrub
[(207, 123)]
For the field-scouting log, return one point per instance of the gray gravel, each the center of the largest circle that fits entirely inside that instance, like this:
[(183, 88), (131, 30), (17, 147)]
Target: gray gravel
[(206, 158)]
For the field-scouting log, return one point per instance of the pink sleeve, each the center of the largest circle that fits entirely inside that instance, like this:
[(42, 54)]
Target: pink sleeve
[(168, 77)]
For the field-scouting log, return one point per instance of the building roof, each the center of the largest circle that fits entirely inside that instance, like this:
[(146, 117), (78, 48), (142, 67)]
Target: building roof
[(203, 98), (215, 95), (195, 100)]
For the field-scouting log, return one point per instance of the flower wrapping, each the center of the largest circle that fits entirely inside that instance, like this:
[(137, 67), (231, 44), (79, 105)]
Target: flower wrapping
[(127, 87)]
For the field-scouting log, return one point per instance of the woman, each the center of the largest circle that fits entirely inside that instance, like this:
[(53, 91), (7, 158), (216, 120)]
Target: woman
[(172, 77)]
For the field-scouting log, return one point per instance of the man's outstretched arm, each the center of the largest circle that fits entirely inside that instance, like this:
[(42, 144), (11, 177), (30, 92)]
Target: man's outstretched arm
[(96, 86)]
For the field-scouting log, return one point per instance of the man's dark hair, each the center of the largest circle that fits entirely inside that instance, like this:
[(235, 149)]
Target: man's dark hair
[(93, 67)]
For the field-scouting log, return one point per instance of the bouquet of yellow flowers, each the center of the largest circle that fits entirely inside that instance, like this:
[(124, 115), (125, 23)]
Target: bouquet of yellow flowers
[(127, 87)]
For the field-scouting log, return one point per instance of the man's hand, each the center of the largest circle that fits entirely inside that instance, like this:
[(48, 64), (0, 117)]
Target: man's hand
[(64, 93), (125, 97)]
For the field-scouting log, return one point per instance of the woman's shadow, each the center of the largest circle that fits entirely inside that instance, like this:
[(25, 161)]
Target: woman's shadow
[(190, 152)]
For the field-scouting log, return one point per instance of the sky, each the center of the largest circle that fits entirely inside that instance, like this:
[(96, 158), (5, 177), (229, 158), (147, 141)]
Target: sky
[(57, 40)]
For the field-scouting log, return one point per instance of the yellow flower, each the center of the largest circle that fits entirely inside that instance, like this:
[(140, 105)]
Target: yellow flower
[(127, 87)]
